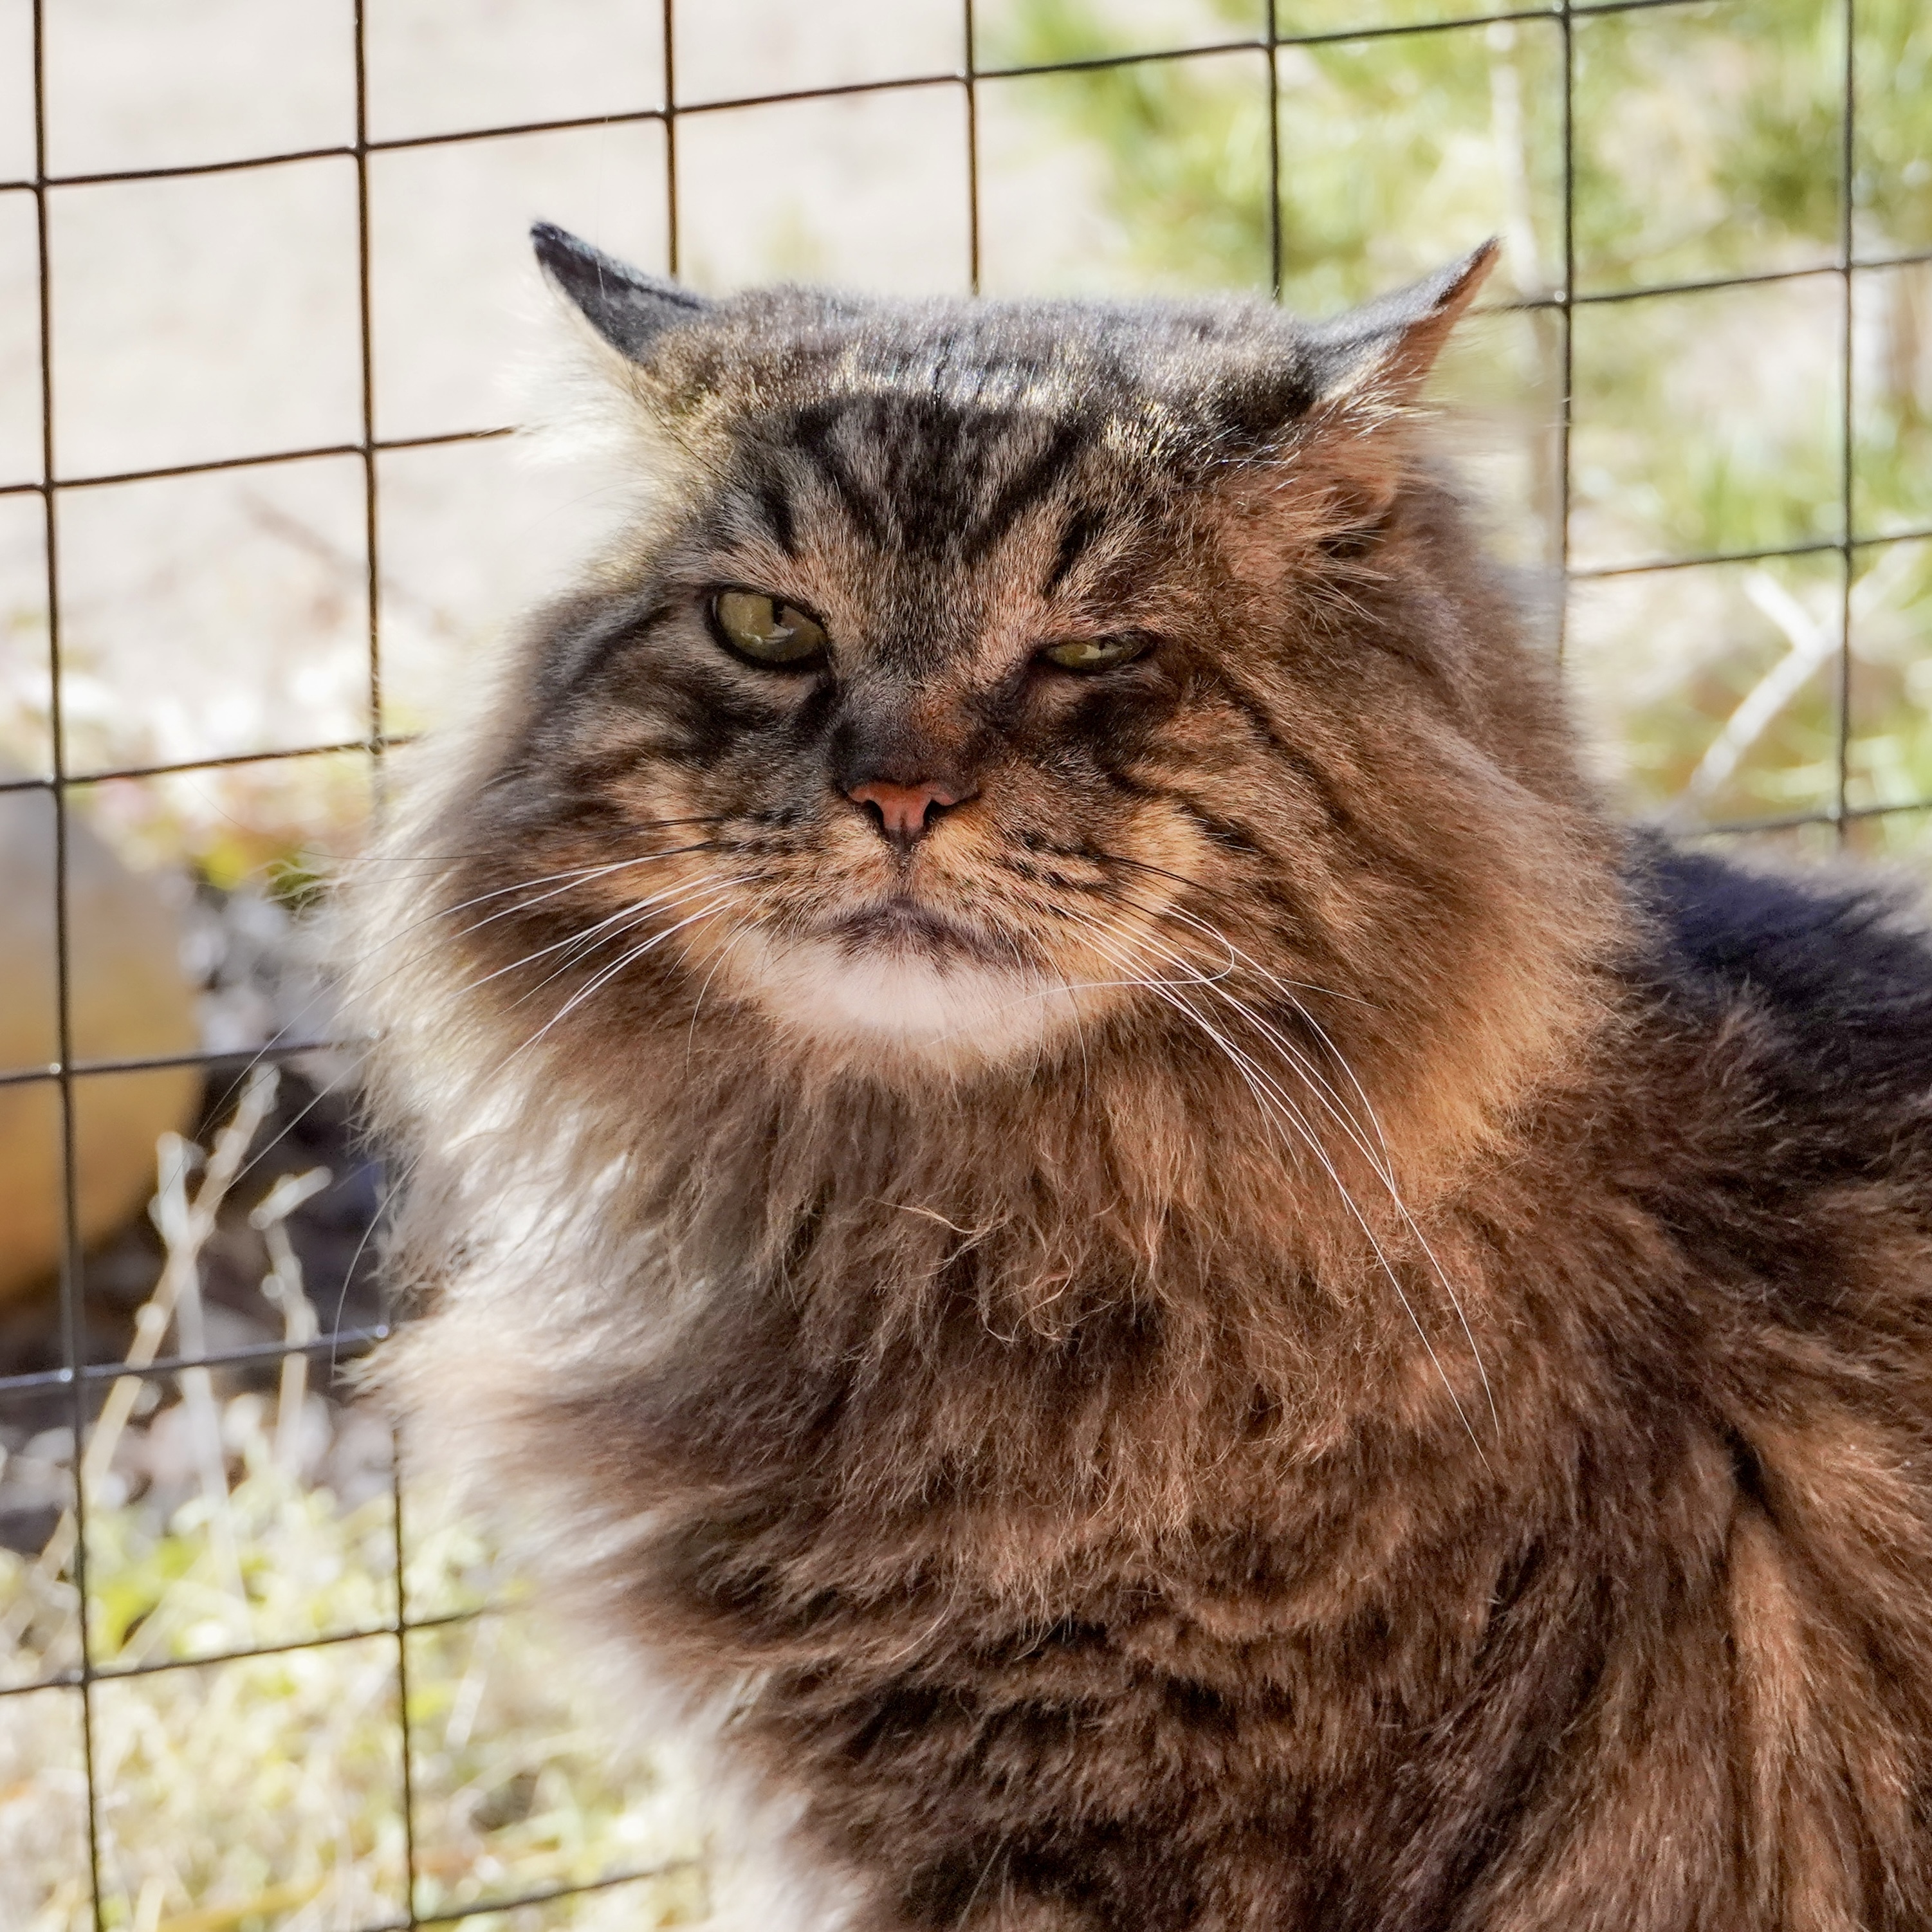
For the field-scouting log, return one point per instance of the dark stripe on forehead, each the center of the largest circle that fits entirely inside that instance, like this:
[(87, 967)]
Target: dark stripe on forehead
[(1082, 527), (775, 506), (814, 429), (928, 475), (1022, 491)]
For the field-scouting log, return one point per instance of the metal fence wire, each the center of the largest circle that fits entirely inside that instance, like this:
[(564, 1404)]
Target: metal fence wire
[(81, 1382)]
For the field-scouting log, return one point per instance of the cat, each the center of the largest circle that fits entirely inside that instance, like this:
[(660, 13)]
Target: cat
[(1083, 1190)]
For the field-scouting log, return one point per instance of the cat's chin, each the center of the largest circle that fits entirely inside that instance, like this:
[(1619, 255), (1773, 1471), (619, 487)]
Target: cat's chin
[(897, 1004)]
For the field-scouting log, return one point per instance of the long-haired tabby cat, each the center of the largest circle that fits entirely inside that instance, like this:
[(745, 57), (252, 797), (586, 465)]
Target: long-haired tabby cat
[(1100, 1207)]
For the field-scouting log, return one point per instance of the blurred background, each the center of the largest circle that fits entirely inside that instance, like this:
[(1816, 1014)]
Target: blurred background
[(264, 292)]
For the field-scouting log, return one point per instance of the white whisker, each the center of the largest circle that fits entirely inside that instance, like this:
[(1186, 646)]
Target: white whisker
[(1377, 1157), (579, 947), (587, 875), (1274, 1102), (610, 973), (697, 1005)]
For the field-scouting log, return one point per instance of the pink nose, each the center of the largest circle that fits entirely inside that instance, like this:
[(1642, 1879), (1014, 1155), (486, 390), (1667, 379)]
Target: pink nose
[(906, 811)]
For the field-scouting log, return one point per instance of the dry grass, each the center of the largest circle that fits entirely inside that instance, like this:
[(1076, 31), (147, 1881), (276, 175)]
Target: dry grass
[(268, 1790)]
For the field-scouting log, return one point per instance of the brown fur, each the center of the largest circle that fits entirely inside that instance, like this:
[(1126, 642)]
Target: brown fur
[(1419, 1419)]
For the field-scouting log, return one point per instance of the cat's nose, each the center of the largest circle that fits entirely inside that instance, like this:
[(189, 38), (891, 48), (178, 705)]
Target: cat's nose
[(904, 813)]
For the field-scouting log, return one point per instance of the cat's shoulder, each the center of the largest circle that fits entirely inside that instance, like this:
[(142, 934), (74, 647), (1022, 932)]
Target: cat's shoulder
[(1840, 963)]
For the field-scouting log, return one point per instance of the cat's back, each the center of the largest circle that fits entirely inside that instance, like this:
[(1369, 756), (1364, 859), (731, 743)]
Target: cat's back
[(1835, 970)]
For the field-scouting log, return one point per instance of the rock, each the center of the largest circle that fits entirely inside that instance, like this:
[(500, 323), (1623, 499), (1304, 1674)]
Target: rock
[(130, 1000)]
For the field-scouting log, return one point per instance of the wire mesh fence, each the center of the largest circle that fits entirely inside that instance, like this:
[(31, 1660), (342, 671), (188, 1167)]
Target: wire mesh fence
[(696, 110)]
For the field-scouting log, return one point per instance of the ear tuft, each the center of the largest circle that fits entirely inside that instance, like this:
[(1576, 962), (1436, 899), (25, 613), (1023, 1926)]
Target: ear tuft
[(1391, 343), (627, 308)]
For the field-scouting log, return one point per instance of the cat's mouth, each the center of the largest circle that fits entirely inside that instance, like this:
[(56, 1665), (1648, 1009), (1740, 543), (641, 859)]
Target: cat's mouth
[(902, 924)]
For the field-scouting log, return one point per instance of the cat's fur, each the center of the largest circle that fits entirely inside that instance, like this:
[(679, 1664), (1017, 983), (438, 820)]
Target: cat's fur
[(1277, 1326)]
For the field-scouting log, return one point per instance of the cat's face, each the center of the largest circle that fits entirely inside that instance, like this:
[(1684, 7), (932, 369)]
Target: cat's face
[(987, 674), (933, 687)]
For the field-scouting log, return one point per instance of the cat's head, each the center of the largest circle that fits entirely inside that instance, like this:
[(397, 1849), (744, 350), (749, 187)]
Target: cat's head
[(978, 681)]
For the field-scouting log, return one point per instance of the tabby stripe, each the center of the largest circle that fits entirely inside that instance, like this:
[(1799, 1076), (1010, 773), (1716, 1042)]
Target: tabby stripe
[(812, 437), (1024, 490), (708, 718), (1076, 540), (1252, 709), (1372, 846), (1224, 832), (592, 650), (776, 508)]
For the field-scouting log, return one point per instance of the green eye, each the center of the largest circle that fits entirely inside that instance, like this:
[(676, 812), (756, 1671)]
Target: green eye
[(764, 630), (1098, 653)]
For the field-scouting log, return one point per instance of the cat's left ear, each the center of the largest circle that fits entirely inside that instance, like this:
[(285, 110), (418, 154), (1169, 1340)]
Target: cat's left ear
[(1351, 444), (1383, 352), (629, 309)]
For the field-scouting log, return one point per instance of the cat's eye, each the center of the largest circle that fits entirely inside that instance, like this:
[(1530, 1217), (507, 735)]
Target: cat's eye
[(1098, 653), (765, 629)]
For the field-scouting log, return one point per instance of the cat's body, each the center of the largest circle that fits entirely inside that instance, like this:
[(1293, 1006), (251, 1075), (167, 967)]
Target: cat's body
[(1180, 1291)]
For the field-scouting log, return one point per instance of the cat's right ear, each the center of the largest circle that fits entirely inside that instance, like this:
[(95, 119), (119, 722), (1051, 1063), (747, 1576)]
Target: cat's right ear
[(629, 309), (1386, 350)]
